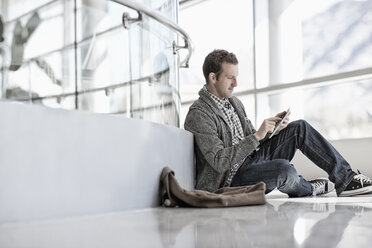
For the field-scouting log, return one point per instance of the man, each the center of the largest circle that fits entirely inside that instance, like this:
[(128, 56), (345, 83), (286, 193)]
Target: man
[(230, 152)]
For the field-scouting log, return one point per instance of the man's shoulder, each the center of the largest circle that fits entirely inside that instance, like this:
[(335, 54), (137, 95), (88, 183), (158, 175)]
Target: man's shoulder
[(236, 100), (199, 110), (237, 103), (199, 106), (201, 102)]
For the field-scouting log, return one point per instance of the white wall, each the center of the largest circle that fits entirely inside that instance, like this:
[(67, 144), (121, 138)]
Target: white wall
[(358, 152), (58, 163)]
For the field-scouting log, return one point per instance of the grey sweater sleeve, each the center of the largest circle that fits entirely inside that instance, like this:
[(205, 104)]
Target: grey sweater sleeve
[(252, 130), (211, 145)]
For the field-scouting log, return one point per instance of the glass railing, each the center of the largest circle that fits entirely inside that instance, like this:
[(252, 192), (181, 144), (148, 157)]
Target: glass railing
[(116, 57)]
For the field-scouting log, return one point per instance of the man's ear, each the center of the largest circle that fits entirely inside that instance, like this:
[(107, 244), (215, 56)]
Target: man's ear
[(212, 77)]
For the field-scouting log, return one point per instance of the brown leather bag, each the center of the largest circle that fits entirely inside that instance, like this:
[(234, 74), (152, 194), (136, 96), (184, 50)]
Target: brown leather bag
[(174, 195)]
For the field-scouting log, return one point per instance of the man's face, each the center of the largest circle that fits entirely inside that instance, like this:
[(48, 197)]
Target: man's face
[(227, 80)]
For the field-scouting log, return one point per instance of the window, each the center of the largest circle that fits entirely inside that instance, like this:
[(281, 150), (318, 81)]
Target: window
[(310, 55), (305, 39), (301, 40), (217, 25)]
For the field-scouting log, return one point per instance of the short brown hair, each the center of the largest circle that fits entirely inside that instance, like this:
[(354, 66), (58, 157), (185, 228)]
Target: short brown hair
[(213, 62)]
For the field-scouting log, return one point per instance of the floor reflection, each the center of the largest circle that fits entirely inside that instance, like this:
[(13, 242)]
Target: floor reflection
[(290, 224)]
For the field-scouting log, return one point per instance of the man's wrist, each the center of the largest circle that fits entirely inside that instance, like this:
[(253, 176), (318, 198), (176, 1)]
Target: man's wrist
[(257, 136)]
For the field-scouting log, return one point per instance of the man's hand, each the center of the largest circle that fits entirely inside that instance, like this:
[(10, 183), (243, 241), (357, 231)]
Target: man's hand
[(269, 124), (286, 120), (266, 127)]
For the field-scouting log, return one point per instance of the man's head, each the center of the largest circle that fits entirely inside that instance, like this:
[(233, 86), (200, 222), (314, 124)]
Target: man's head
[(220, 70)]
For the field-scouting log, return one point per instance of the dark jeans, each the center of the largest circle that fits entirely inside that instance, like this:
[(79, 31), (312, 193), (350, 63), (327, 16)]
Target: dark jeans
[(271, 163)]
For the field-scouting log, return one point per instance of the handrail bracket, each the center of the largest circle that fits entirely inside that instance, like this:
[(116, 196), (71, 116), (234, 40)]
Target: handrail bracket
[(127, 20), (175, 50)]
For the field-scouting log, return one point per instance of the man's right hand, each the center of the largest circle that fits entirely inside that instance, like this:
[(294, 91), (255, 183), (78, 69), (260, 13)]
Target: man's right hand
[(267, 126)]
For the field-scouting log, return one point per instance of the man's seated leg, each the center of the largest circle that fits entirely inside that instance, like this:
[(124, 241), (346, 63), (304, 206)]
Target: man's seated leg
[(279, 173)]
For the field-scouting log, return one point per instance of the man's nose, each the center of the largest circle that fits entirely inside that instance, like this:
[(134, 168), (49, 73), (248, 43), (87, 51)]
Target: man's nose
[(235, 82)]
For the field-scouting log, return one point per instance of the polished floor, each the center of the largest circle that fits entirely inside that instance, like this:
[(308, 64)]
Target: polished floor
[(282, 222)]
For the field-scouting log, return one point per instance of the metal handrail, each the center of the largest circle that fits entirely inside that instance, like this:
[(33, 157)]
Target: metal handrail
[(165, 21), (92, 90), (153, 14)]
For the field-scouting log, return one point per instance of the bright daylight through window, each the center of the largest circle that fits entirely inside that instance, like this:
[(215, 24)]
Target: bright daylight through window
[(310, 55)]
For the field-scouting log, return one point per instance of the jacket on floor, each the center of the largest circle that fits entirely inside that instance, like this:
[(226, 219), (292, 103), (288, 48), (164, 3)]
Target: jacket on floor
[(174, 195)]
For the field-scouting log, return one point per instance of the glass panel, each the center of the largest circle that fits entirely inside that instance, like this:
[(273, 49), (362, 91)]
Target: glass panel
[(114, 100), (53, 32), (132, 73), (299, 39), (67, 102), (1, 85), (19, 7), (151, 49), (155, 95), (167, 8), (94, 17), (339, 111), (218, 25), (39, 32), (53, 74), (154, 101), (184, 110), (104, 61), (165, 114), (26, 74), (17, 85)]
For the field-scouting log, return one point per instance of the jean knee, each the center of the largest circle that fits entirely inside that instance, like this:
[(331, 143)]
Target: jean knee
[(299, 127), (299, 124), (284, 166), (286, 170)]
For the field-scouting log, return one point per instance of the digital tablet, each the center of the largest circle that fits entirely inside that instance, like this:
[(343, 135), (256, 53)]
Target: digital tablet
[(280, 123)]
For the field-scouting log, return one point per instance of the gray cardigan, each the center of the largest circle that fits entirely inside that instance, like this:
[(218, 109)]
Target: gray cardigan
[(217, 160)]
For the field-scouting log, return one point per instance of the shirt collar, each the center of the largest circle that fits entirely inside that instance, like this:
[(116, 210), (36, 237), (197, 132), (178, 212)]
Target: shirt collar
[(221, 103)]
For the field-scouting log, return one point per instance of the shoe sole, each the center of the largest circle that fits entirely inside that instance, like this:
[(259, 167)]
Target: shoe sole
[(361, 191)]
